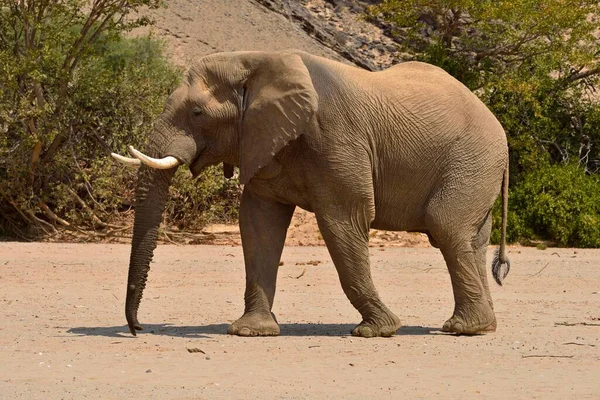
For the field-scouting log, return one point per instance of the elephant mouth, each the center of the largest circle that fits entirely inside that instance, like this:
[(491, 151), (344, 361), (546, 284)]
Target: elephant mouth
[(196, 170), (199, 164), (206, 159)]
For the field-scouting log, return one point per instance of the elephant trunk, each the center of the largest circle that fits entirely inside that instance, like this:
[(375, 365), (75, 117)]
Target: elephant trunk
[(151, 196)]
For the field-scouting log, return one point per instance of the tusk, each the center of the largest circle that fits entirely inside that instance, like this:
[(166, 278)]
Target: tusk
[(158, 163), (130, 162)]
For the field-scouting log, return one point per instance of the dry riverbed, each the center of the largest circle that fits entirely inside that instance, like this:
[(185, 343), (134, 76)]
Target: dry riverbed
[(63, 332)]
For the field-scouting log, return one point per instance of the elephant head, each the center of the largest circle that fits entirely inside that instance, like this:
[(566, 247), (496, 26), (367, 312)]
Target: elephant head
[(236, 108)]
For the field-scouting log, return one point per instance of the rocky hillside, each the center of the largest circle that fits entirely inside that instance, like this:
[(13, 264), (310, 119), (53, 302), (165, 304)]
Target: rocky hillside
[(332, 29), (339, 25)]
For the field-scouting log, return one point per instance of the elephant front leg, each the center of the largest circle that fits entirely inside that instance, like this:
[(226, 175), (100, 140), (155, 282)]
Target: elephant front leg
[(348, 244), (263, 227)]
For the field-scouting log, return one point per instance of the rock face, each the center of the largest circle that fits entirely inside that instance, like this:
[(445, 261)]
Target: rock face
[(340, 26)]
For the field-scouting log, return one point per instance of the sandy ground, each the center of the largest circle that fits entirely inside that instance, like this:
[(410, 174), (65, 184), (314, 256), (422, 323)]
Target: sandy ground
[(63, 332)]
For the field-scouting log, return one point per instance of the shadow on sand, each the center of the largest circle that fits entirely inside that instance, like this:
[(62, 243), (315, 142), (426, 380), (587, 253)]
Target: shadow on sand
[(207, 331)]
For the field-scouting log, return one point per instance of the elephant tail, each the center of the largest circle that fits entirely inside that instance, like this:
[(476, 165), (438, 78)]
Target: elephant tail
[(501, 263)]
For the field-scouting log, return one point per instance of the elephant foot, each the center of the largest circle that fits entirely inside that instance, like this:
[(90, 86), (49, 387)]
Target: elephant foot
[(255, 324), (471, 324), (385, 327)]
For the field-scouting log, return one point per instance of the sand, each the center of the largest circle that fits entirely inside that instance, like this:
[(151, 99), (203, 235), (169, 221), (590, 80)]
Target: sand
[(63, 332)]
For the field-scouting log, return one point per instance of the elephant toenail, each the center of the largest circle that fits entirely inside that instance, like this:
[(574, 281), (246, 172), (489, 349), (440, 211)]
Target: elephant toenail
[(366, 332), (458, 328), (245, 332), (446, 327)]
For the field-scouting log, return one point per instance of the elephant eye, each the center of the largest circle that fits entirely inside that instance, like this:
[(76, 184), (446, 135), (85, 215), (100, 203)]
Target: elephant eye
[(197, 111)]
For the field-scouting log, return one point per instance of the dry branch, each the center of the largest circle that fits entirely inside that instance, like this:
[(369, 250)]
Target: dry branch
[(89, 210), (166, 235), (583, 75), (41, 221), (50, 214), (580, 344), (540, 271), (575, 324), (545, 356)]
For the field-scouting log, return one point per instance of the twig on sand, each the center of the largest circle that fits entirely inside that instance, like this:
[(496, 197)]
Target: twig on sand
[(302, 274), (545, 356), (580, 344), (540, 271), (195, 350), (426, 270), (575, 324)]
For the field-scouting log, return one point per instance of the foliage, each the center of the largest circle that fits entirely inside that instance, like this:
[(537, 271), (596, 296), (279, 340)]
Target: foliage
[(210, 198), (73, 90), (560, 202), (536, 65)]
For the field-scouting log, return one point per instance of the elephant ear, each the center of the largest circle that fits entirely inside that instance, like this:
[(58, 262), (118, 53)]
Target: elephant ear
[(279, 103)]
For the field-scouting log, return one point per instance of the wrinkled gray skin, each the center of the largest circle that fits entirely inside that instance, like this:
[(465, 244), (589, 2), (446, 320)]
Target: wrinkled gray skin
[(406, 149)]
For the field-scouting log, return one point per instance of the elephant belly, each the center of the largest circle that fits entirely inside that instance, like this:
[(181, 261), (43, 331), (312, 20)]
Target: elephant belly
[(398, 219), (400, 203)]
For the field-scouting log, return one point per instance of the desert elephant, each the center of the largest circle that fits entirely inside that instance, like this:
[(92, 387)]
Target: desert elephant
[(405, 149)]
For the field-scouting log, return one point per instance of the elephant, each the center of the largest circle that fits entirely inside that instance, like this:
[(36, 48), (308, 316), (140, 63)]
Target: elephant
[(408, 148)]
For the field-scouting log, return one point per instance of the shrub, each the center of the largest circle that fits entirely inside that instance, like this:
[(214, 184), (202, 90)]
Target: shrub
[(536, 66), (558, 203), (61, 118)]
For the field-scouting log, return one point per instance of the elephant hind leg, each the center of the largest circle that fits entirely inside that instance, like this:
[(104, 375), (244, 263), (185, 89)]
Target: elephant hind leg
[(347, 242), (432, 241), (473, 312), (465, 258)]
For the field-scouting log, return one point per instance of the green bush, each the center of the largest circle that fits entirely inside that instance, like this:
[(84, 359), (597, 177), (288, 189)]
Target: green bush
[(59, 121), (559, 204), (536, 66), (209, 199)]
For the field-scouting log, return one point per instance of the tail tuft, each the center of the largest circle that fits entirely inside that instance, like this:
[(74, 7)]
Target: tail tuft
[(500, 266)]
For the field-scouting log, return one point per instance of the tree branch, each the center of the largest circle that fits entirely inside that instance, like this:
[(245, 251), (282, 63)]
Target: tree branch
[(89, 210), (87, 36), (53, 216), (582, 75)]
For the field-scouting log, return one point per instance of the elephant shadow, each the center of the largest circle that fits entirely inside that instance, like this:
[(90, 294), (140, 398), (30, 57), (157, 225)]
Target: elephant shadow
[(206, 331)]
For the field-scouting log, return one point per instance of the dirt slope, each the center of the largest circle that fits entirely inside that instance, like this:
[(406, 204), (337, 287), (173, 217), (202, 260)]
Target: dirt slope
[(195, 28)]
